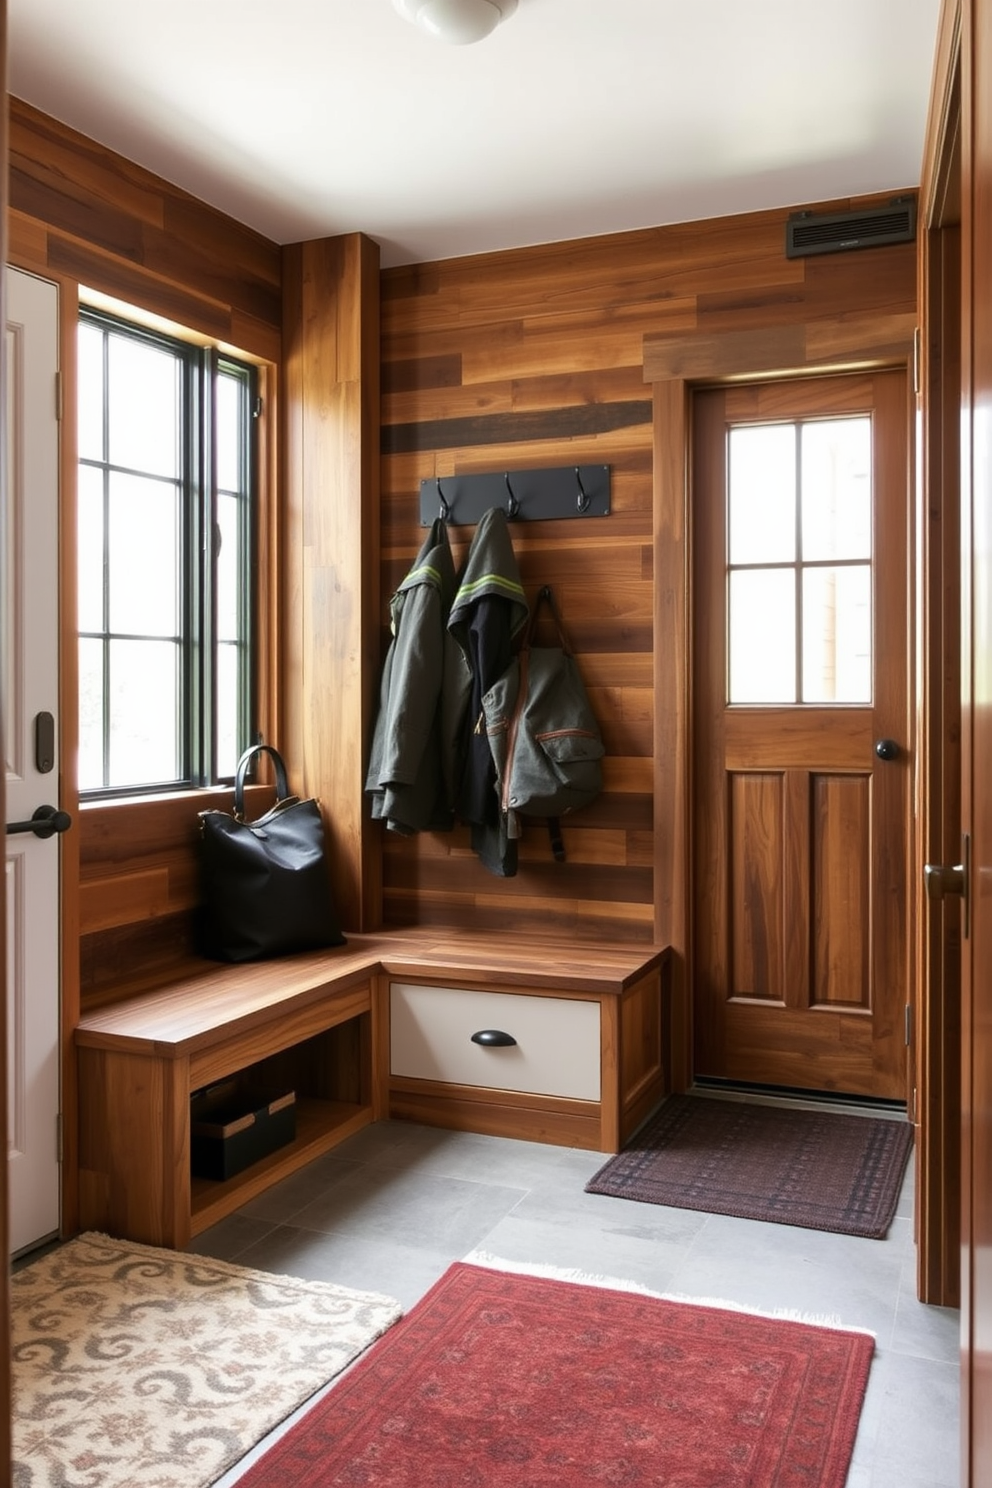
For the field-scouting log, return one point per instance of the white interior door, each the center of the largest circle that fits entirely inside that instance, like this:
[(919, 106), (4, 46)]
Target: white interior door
[(30, 681)]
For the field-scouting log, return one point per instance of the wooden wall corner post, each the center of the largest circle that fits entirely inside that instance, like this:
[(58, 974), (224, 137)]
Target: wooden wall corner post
[(329, 663), (5, 1383), (672, 671), (937, 1013)]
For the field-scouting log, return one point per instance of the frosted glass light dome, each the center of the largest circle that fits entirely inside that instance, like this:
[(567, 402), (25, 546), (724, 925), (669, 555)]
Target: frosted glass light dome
[(456, 21)]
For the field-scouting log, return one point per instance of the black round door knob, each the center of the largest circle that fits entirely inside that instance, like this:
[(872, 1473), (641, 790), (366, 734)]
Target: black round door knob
[(887, 749)]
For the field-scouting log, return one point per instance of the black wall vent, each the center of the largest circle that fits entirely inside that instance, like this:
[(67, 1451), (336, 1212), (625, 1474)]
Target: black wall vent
[(839, 232)]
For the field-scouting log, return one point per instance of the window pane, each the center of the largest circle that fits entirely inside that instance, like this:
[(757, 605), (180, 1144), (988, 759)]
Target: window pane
[(90, 375), (90, 516), (762, 636), (90, 715), (166, 615), (762, 494), (144, 556), (144, 707), (144, 393), (837, 664), (228, 570), (836, 476), (229, 432), (228, 710)]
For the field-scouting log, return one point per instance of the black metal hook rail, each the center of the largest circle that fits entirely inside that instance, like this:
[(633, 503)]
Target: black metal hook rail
[(525, 495)]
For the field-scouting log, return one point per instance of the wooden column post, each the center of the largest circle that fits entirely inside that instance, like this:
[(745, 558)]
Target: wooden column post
[(672, 671), (330, 606), (5, 1385)]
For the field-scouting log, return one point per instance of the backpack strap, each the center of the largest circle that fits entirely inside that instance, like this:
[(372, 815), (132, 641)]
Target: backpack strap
[(546, 596)]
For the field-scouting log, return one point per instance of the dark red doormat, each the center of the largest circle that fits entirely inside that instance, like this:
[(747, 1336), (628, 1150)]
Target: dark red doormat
[(507, 1381), (821, 1170)]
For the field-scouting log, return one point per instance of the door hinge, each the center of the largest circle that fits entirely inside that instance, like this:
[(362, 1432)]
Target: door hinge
[(58, 396), (59, 1148), (917, 360), (257, 410), (909, 1025), (912, 1107)]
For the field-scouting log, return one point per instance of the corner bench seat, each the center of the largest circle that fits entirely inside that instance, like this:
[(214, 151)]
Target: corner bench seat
[(320, 1023)]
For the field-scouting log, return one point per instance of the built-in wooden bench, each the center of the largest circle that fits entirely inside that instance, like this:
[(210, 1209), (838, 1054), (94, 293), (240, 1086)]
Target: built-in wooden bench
[(379, 1027)]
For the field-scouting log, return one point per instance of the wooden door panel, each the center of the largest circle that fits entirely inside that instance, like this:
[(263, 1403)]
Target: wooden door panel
[(757, 886), (800, 830), (796, 841), (840, 819), (833, 1048), (802, 740)]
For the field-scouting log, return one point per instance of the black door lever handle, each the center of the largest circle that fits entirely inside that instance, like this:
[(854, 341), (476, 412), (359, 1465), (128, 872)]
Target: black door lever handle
[(45, 822)]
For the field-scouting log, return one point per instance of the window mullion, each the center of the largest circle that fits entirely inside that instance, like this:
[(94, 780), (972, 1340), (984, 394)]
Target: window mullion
[(249, 565), (799, 564), (200, 517), (106, 560)]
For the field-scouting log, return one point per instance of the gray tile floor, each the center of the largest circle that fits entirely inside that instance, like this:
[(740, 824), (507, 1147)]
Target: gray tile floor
[(390, 1209)]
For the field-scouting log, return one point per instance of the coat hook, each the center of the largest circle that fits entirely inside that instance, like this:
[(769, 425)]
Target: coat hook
[(512, 504), (445, 511), (582, 500)]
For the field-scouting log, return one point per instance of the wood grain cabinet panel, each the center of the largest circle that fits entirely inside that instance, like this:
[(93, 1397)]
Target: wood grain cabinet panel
[(139, 1063), (583, 1072)]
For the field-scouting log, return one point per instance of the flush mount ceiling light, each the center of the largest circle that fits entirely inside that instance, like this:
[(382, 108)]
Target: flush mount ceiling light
[(456, 21)]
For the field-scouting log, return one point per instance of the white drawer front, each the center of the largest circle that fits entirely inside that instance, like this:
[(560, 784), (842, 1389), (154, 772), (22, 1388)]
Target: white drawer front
[(556, 1053)]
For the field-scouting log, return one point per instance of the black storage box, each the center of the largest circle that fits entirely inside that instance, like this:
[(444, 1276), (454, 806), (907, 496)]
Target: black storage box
[(231, 1127)]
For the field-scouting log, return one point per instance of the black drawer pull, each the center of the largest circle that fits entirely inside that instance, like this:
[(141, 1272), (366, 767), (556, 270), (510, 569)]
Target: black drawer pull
[(493, 1038)]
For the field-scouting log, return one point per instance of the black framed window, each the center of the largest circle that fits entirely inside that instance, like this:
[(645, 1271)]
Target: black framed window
[(166, 499)]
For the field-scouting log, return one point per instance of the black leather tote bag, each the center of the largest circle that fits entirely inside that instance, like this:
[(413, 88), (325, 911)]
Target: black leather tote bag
[(266, 887)]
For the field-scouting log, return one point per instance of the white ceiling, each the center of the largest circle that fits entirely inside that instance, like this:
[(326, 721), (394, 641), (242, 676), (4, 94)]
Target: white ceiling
[(308, 118)]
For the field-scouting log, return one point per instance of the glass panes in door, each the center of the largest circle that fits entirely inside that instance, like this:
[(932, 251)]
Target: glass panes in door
[(799, 578)]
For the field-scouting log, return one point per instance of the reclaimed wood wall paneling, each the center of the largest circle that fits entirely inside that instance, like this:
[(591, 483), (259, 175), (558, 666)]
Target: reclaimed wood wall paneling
[(81, 211), (540, 356), (83, 215)]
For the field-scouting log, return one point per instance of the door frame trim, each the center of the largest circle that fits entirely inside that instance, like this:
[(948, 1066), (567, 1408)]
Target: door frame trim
[(675, 365), (938, 950)]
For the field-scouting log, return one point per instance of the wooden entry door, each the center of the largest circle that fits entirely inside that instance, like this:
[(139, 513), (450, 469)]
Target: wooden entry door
[(801, 760)]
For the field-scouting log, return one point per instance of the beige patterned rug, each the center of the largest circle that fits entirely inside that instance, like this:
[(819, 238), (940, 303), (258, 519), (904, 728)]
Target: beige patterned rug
[(142, 1368)]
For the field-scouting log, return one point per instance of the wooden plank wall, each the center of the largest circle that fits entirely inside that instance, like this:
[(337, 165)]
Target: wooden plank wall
[(82, 215), (80, 212), (511, 360), (536, 357)]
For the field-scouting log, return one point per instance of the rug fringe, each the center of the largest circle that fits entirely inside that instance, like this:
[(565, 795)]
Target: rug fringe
[(557, 1273), (620, 1284), (779, 1314)]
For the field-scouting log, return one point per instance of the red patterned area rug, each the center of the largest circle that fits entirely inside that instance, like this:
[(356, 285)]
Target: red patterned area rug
[(498, 1380), (821, 1170)]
